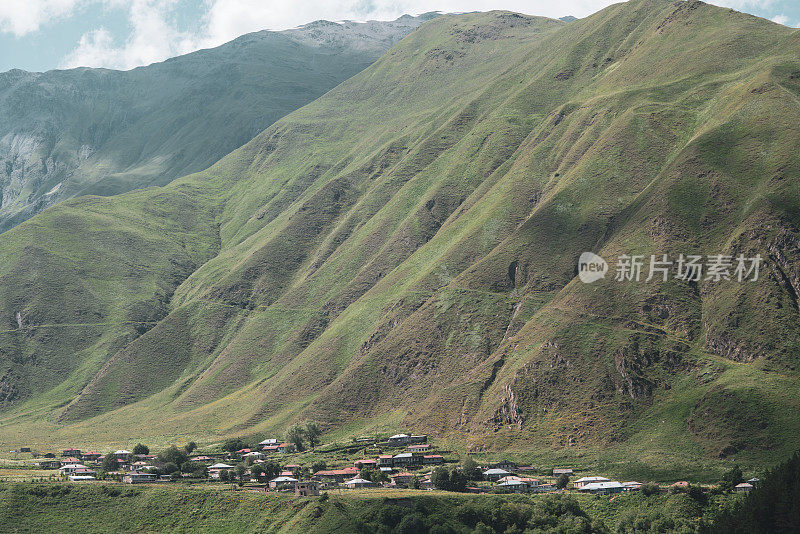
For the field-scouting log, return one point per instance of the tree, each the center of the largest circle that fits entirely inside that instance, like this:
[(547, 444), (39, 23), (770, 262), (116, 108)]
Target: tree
[(224, 475), (312, 433), (141, 449), (366, 473), (233, 445), (458, 480), (440, 478), (379, 476), (271, 469), (240, 470), (190, 447), (732, 477), (414, 482), (471, 469), (318, 466), (562, 481), (188, 467), (169, 468), (173, 455), (650, 488), (256, 471), (109, 463), (295, 435)]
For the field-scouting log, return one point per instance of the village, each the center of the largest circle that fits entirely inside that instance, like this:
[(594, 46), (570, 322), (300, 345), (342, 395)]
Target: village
[(401, 461)]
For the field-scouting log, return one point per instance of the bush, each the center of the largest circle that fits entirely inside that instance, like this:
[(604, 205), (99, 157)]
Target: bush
[(650, 488), (141, 449)]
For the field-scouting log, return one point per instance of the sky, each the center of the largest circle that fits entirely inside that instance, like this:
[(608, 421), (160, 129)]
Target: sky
[(39, 35)]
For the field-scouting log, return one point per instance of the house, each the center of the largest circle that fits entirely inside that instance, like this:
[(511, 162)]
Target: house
[(385, 460), (294, 468), (632, 486), (268, 442), (215, 470), (255, 455), (603, 488), (70, 460), (201, 459), (71, 452), (406, 458), (307, 488), (282, 482), (754, 481), (78, 478), (744, 487), (91, 456), (242, 452), (558, 471), (517, 483), (83, 471), (508, 465), (122, 454), (433, 459), (405, 439), (543, 488), (140, 465), (514, 485), (48, 464), (68, 469), (495, 474), (48, 455), (337, 475), (359, 483), (24, 449), (581, 482), (369, 464), (280, 447), (137, 477), (419, 448), (286, 474), (402, 479)]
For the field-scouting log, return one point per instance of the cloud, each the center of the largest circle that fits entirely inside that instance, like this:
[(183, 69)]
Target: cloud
[(155, 34), (153, 37), (21, 17), (781, 19)]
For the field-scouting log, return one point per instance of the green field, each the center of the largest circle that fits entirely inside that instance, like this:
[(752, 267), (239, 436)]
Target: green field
[(97, 507)]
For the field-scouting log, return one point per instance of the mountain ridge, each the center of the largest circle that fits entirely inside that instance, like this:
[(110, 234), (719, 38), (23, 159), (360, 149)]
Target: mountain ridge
[(66, 133), (401, 253)]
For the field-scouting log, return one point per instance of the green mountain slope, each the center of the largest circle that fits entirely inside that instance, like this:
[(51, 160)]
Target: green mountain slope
[(401, 253), (66, 133)]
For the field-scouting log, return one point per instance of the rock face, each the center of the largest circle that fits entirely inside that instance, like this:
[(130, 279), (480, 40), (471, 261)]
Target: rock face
[(97, 131)]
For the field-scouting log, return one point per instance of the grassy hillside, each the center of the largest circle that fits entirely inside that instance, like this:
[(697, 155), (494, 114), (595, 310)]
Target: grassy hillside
[(179, 508), (67, 133), (401, 254)]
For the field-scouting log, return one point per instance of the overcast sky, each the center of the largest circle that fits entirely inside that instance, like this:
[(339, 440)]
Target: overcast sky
[(46, 34)]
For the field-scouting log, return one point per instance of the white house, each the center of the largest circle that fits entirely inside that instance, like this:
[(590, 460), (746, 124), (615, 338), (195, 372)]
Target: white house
[(71, 468), (603, 488), (581, 482), (495, 474)]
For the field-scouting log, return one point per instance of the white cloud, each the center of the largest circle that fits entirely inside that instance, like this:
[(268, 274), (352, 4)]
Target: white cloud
[(155, 35), (153, 38), (21, 17), (781, 19)]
